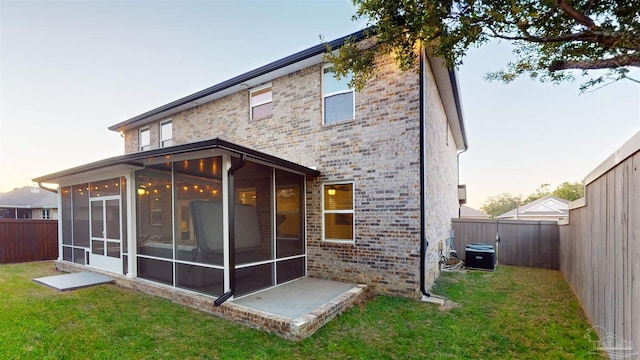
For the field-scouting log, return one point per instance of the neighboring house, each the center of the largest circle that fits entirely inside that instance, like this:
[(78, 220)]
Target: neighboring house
[(467, 212), (275, 174), (545, 208), (28, 202)]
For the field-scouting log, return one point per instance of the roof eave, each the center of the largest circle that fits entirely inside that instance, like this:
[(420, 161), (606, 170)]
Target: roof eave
[(236, 84), (137, 160), (447, 82)]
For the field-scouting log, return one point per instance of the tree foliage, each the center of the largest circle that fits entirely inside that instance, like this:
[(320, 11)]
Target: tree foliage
[(549, 36), (569, 191), (500, 204), (542, 191)]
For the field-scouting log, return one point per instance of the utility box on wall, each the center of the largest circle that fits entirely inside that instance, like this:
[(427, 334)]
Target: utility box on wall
[(480, 256)]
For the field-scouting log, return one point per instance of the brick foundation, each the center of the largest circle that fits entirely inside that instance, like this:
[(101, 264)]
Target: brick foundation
[(293, 329)]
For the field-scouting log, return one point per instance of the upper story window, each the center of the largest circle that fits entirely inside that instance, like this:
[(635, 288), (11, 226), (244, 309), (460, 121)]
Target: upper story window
[(337, 97), (144, 139), (261, 102), (166, 134), (337, 212), (46, 214)]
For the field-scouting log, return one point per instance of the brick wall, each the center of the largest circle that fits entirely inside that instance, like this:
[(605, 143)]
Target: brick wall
[(378, 151), (441, 178)]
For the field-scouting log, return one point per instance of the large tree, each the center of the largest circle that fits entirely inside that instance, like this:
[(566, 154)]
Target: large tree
[(549, 36), (542, 191), (569, 190), (500, 204)]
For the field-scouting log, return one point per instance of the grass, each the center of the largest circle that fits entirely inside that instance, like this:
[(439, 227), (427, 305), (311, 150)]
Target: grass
[(513, 313)]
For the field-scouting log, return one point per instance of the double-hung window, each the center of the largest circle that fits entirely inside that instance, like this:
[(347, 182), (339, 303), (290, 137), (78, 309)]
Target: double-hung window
[(261, 102), (337, 97), (166, 134), (144, 139), (337, 212)]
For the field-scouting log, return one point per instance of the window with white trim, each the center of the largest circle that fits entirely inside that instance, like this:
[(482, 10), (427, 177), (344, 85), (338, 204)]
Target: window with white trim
[(337, 212), (166, 133), (338, 99), (261, 102), (46, 214), (144, 139)]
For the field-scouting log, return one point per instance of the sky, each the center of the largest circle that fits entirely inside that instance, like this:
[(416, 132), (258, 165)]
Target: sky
[(71, 69)]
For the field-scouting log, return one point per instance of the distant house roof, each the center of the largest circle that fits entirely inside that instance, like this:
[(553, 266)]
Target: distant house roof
[(548, 207), (467, 212), (29, 197)]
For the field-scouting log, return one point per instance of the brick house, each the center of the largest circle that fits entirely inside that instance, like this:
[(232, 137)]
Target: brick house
[(276, 174)]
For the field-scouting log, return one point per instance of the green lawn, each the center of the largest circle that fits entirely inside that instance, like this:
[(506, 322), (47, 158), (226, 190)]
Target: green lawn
[(513, 313)]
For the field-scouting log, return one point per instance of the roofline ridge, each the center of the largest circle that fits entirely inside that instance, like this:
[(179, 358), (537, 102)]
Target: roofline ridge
[(259, 71)]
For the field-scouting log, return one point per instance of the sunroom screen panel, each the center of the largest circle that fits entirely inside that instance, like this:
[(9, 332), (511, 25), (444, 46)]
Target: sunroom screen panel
[(154, 203), (254, 208), (199, 189), (289, 214), (80, 199)]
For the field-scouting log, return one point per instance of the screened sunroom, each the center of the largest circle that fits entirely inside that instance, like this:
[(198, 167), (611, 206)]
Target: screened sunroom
[(210, 217)]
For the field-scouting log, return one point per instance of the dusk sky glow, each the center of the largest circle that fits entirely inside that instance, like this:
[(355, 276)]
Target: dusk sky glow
[(69, 70)]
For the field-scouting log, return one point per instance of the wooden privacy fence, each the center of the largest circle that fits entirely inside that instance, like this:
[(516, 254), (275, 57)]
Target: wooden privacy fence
[(522, 242), (23, 240), (600, 249)]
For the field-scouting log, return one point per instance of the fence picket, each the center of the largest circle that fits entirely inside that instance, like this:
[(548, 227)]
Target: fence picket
[(23, 240), (522, 242)]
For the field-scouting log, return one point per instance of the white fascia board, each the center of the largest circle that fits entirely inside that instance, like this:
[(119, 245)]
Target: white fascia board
[(96, 175), (246, 85), (450, 101)]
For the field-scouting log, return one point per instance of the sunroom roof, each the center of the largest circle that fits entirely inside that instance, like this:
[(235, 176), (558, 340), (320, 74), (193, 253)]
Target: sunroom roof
[(139, 159)]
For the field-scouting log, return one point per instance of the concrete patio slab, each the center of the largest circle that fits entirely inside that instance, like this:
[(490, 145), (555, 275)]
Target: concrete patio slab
[(74, 281), (294, 299), (293, 311)]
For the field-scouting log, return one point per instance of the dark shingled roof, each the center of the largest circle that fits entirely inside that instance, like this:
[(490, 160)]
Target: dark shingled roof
[(29, 197), (139, 158)]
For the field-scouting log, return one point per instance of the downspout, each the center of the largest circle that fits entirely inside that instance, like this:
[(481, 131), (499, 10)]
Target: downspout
[(424, 242), (231, 196)]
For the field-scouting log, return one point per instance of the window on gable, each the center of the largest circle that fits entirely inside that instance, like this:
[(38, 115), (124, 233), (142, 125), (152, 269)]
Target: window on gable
[(337, 97), (261, 102), (144, 139), (337, 212), (166, 134)]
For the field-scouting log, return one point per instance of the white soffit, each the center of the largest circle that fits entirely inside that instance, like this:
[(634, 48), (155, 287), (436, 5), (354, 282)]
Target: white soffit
[(450, 102), (246, 85), (94, 175)]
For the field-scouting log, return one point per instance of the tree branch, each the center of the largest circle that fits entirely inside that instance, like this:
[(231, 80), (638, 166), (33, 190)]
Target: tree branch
[(589, 6), (606, 39), (537, 39), (632, 79), (578, 16), (615, 62)]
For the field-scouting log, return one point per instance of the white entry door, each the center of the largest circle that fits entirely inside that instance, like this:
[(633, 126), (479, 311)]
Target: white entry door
[(106, 243)]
